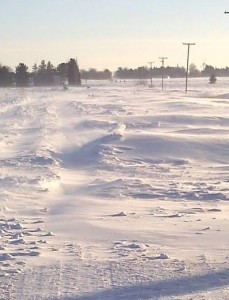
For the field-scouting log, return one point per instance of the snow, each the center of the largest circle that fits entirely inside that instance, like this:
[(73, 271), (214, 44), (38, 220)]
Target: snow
[(115, 191)]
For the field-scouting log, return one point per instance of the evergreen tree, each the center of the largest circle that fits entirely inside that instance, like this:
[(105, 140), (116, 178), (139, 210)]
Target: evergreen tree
[(50, 67), (73, 73), (42, 67), (6, 76), (21, 75), (62, 69), (35, 68), (208, 70), (212, 79), (44, 74)]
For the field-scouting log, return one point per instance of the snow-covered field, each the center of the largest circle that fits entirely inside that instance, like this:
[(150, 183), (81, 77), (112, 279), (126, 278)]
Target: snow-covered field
[(115, 191)]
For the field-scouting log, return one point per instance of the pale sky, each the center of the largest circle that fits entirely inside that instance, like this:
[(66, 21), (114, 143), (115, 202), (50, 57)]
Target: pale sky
[(114, 33)]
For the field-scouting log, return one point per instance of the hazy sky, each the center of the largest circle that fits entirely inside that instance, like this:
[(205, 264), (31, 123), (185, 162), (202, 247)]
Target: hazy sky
[(113, 33)]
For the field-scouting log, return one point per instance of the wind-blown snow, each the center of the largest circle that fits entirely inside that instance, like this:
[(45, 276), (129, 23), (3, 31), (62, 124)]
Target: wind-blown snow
[(116, 191)]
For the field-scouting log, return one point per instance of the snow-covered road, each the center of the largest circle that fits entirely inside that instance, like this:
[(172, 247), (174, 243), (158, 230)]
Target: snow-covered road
[(115, 191)]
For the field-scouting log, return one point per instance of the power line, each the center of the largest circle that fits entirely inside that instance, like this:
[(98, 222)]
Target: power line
[(162, 73), (187, 44)]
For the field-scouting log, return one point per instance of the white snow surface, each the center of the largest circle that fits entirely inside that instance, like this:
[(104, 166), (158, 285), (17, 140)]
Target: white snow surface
[(115, 191)]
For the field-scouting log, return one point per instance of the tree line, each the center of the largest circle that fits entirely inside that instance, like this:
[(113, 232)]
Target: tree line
[(45, 74), (172, 72)]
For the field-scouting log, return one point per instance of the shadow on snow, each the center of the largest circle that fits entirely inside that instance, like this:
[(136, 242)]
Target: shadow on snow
[(88, 154), (154, 290)]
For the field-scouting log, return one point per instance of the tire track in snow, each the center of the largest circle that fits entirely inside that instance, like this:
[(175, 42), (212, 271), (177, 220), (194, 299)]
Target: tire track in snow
[(28, 128), (83, 274)]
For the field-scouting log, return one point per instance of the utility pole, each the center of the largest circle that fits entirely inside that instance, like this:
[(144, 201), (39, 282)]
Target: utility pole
[(187, 44), (150, 63), (162, 71)]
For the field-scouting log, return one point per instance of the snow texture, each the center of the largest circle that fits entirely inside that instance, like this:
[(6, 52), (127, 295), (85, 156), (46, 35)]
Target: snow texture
[(115, 191)]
